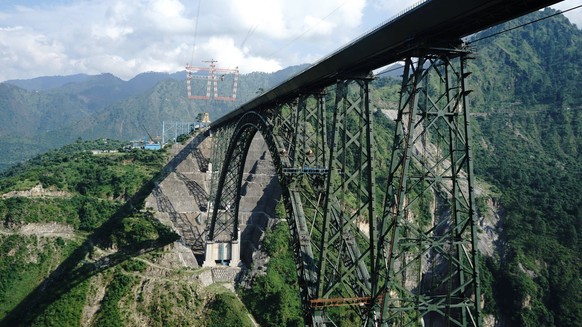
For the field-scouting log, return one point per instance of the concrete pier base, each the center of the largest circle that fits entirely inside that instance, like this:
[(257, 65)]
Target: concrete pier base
[(222, 254)]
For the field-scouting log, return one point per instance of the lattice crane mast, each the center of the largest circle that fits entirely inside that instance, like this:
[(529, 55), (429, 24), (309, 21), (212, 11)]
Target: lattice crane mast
[(213, 76)]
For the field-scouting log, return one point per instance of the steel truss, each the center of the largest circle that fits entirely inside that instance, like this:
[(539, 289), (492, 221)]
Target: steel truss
[(220, 142), (414, 264), (328, 191), (428, 230), (172, 129)]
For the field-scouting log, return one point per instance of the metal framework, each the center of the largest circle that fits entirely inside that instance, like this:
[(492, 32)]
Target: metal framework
[(172, 129), (213, 75), (415, 262), (428, 230), (328, 190)]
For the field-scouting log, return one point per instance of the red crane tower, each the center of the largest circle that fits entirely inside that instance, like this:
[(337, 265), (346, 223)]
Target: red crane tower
[(213, 76)]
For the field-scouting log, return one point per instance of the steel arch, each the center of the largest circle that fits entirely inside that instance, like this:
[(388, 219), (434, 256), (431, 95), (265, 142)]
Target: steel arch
[(327, 187), (228, 190)]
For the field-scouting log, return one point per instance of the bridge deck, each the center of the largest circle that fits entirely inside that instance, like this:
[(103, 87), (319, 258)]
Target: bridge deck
[(432, 23)]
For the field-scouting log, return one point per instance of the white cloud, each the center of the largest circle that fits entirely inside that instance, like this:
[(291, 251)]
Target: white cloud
[(575, 16), (127, 37), (131, 36), (23, 49), (168, 16)]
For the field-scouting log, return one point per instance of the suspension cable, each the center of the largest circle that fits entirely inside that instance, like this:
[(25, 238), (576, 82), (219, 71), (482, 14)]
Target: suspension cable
[(525, 24), (195, 31)]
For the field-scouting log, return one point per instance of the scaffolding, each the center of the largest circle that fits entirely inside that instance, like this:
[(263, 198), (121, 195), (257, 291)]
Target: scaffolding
[(213, 75)]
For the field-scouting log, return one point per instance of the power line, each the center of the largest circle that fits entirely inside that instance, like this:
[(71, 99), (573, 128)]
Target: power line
[(195, 31), (525, 24), (501, 32), (252, 30), (307, 30)]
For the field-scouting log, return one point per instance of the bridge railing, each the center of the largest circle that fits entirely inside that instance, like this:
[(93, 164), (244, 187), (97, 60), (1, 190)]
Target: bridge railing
[(399, 14)]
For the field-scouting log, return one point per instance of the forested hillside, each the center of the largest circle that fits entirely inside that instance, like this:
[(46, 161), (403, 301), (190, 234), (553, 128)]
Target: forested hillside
[(46, 113), (77, 246), (527, 110), (528, 95)]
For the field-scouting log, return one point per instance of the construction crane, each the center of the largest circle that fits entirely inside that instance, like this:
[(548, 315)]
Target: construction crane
[(213, 76), (151, 145)]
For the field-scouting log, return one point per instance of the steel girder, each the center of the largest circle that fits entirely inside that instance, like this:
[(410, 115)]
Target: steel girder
[(219, 227), (428, 229), (345, 252), (326, 178)]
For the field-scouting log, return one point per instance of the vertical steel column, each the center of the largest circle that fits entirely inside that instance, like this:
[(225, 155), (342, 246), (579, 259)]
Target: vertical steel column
[(220, 142), (345, 252), (428, 230), (294, 124), (312, 131)]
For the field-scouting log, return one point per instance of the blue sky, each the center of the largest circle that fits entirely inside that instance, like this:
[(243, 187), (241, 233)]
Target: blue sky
[(128, 37)]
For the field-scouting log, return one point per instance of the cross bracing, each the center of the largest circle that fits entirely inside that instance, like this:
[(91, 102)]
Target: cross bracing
[(412, 260)]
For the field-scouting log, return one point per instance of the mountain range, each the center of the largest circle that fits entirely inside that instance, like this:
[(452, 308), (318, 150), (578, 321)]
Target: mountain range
[(47, 112), (527, 132)]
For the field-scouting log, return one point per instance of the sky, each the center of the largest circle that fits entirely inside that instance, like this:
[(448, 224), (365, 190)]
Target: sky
[(129, 37)]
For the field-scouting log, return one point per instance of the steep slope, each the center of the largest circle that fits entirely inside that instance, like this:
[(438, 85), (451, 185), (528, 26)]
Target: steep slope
[(27, 113), (529, 135), (532, 65), (79, 251), (125, 119), (50, 112)]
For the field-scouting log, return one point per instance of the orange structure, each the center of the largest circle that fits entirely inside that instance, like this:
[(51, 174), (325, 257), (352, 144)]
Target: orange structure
[(213, 75)]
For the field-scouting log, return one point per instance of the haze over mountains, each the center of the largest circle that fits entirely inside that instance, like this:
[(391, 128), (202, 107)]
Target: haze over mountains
[(527, 128), (46, 112)]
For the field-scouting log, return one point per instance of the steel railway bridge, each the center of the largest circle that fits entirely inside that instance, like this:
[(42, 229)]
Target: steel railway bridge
[(403, 268)]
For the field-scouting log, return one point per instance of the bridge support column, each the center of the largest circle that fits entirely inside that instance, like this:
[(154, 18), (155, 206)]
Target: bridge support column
[(328, 188), (428, 229), (235, 252), (210, 255), (341, 203), (222, 254)]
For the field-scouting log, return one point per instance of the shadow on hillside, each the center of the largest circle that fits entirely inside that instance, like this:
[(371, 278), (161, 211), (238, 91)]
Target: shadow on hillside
[(75, 269)]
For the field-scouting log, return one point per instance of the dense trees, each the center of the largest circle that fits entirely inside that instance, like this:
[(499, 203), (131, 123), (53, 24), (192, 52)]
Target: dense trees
[(529, 149), (274, 297), (225, 310), (537, 280), (86, 193)]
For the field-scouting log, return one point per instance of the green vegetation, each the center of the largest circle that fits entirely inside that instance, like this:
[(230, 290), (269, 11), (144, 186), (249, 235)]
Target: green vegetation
[(115, 176), (226, 310), (66, 311), (139, 229), (24, 264), (274, 297), (45, 278), (109, 314), (538, 280), (530, 150)]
